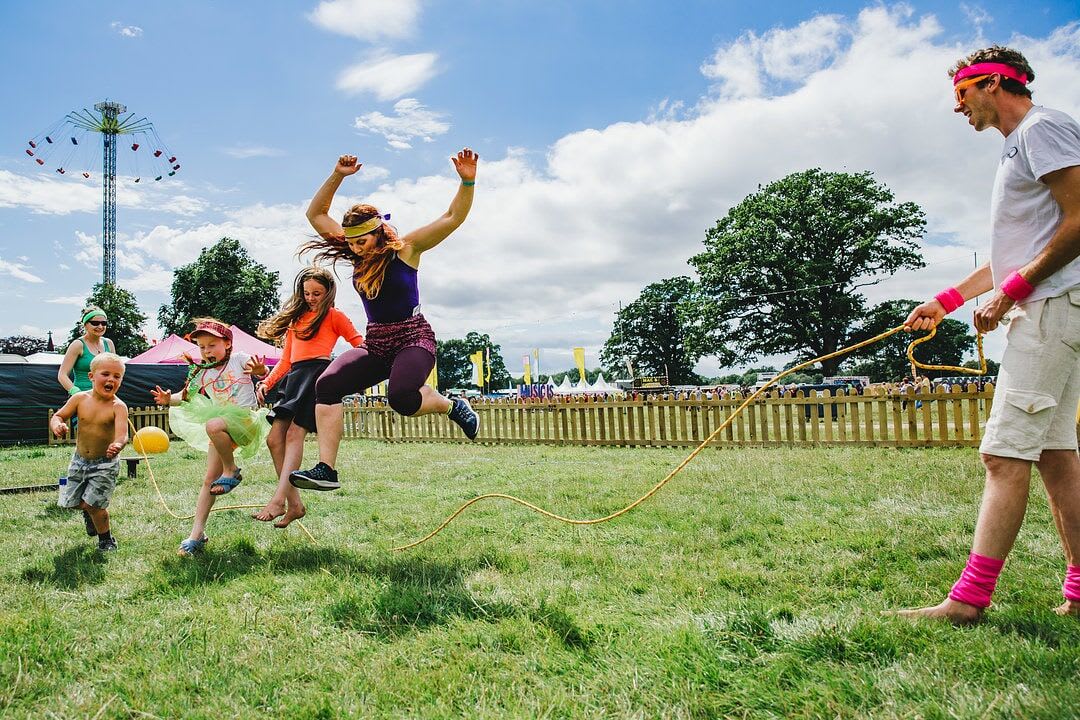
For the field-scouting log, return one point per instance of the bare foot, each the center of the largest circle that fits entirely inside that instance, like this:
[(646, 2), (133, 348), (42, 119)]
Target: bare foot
[(957, 613), (1069, 607), (290, 515), (271, 511)]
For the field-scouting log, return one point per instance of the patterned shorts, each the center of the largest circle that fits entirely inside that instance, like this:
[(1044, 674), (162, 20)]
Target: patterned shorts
[(89, 481), (386, 340)]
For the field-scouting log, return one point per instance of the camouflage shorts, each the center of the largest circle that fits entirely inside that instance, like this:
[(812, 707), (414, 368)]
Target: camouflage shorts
[(89, 481)]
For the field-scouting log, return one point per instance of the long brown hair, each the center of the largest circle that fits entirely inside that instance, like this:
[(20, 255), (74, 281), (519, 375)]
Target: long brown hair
[(368, 271), (295, 307)]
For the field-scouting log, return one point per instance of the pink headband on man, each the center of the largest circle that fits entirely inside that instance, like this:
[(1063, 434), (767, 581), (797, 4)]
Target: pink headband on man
[(990, 68)]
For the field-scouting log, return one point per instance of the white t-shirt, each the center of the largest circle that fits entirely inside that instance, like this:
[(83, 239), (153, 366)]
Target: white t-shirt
[(1023, 213), (227, 383)]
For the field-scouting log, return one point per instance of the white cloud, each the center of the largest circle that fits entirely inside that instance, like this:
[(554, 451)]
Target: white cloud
[(367, 20), (18, 271), (243, 152), (744, 67), (47, 195), (76, 300), (411, 120), (130, 31), (556, 241), (977, 16), (389, 76)]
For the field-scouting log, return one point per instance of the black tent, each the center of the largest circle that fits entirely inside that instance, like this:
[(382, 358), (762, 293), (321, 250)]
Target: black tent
[(28, 392)]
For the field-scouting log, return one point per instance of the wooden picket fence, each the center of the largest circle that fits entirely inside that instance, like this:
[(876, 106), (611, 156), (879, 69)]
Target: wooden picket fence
[(140, 417), (937, 418)]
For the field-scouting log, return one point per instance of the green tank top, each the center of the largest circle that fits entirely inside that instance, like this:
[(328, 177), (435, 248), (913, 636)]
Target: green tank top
[(80, 373)]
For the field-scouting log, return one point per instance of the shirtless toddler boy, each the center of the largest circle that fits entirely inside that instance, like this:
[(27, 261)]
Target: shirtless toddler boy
[(103, 420)]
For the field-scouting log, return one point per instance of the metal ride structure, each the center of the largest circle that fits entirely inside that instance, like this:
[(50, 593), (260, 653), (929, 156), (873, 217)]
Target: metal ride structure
[(111, 119)]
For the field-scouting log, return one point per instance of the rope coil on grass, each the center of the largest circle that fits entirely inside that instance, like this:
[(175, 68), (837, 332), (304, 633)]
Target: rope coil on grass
[(671, 475)]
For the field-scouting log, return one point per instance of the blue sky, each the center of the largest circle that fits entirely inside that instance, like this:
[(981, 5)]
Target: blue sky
[(611, 135)]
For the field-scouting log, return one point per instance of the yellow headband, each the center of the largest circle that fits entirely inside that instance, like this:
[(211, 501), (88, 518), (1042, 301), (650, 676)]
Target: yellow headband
[(364, 228)]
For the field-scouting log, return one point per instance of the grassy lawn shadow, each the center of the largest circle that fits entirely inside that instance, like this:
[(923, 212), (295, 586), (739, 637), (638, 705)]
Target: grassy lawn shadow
[(412, 593), (71, 569)]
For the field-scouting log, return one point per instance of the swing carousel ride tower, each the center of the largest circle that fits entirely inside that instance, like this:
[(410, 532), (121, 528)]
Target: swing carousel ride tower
[(109, 121)]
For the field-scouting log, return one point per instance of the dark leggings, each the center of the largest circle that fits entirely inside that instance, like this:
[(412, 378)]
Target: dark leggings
[(356, 370)]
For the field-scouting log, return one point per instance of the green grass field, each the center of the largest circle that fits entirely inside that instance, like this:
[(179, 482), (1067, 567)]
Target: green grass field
[(751, 586)]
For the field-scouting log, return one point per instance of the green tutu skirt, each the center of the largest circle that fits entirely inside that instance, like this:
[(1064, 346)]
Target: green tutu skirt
[(248, 428)]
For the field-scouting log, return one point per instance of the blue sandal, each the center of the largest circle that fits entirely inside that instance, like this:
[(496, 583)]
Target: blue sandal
[(189, 547), (229, 483)]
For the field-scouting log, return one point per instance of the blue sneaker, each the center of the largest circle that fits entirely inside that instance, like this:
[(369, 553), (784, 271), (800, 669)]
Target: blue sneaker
[(320, 477), (465, 418)]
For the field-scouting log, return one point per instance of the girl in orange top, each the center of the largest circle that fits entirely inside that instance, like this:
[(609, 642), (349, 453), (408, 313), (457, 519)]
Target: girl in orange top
[(311, 325)]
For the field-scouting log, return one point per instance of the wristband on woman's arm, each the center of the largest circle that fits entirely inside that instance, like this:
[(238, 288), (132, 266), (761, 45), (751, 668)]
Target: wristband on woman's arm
[(1017, 287), (950, 299), (74, 390), (468, 183)]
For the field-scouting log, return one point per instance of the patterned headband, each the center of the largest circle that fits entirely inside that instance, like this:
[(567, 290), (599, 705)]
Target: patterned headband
[(355, 231)]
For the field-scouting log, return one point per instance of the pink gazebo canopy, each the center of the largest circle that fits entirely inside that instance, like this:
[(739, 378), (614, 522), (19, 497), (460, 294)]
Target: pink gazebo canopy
[(169, 350), (172, 349), (254, 346)]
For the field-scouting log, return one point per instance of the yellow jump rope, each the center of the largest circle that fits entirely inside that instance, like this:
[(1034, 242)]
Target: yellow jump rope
[(915, 366)]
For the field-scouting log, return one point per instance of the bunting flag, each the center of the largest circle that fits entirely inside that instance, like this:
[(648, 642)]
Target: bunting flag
[(579, 359), (528, 369), (433, 377), (487, 359), (477, 360)]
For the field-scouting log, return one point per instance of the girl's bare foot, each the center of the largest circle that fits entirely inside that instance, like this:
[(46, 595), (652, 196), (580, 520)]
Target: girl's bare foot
[(957, 613), (1069, 607), (271, 511), (290, 515)]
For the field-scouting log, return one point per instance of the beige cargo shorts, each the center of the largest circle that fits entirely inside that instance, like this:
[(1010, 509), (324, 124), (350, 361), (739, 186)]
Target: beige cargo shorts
[(1038, 388)]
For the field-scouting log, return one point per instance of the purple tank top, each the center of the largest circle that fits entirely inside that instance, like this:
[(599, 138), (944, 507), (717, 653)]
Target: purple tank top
[(399, 296)]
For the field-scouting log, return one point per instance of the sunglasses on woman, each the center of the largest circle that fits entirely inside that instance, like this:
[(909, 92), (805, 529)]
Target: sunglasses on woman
[(98, 323)]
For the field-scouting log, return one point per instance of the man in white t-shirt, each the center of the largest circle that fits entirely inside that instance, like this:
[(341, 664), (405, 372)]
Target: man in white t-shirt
[(1034, 274)]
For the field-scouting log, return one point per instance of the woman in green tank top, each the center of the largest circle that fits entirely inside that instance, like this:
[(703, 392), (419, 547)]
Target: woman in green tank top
[(74, 373)]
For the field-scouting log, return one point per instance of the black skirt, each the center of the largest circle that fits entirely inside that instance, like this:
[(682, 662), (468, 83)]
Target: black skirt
[(297, 401)]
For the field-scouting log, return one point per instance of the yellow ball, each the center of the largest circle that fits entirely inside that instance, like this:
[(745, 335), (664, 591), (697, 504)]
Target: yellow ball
[(150, 440)]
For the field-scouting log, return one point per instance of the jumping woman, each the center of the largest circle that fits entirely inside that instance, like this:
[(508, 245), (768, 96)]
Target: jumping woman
[(399, 343)]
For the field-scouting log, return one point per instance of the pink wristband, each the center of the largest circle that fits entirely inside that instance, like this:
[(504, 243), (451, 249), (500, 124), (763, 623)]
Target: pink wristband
[(950, 299), (1016, 287)]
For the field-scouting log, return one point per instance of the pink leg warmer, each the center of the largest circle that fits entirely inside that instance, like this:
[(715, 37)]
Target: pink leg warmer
[(976, 583), (1071, 588)]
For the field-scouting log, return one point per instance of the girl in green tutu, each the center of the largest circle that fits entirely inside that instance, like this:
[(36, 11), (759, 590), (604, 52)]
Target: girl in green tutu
[(218, 413)]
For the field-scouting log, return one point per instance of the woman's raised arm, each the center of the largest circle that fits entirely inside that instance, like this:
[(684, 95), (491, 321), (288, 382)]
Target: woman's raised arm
[(318, 212)]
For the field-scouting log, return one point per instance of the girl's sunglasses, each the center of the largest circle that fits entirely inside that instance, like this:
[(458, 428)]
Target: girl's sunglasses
[(98, 323)]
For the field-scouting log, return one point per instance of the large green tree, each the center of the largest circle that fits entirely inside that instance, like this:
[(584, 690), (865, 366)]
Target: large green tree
[(125, 319), (652, 332), (887, 360), (452, 358), (223, 282), (455, 369), (782, 271)]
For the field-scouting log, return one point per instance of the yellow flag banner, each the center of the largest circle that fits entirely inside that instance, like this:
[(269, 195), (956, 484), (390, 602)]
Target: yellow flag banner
[(579, 359), (433, 377), (477, 359), (487, 352), (528, 369)]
